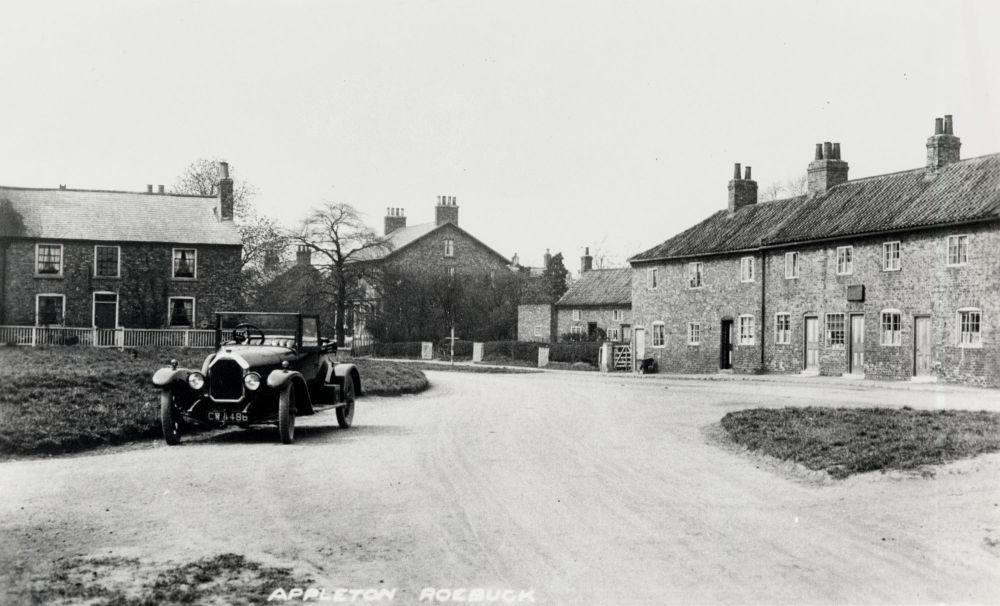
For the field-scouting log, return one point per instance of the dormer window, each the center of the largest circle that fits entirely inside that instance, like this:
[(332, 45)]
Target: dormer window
[(48, 259), (185, 263)]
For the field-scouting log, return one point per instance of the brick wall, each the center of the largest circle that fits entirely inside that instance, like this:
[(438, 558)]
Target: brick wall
[(427, 254), (143, 288), (924, 286), (603, 316), (531, 315)]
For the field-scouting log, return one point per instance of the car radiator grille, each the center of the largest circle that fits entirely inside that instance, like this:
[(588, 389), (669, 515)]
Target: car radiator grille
[(226, 380)]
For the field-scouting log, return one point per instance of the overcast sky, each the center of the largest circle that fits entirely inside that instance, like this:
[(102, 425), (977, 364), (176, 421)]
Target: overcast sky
[(556, 124)]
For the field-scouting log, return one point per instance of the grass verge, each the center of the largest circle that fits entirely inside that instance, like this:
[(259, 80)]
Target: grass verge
[(65, 399), (498, 370), (223, 579), (846, 441)]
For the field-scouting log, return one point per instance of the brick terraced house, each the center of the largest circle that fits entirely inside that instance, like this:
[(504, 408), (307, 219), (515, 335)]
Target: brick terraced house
[(599, 301), (110, 259), (891, 276)]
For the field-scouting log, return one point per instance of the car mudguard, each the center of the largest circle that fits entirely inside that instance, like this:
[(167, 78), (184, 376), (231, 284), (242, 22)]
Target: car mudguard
[(167, 376), (279, 378), (344, 370)]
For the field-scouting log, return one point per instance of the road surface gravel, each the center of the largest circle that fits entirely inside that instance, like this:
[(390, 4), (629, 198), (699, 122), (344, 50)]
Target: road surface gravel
[(586, 488)]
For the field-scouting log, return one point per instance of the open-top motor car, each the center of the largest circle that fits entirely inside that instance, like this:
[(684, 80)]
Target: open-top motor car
[(267, 368)]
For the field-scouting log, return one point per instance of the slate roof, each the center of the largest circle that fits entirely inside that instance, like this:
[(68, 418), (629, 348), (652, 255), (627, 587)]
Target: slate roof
[(404, 236), (961, 192), (600, 287), (118, 216)]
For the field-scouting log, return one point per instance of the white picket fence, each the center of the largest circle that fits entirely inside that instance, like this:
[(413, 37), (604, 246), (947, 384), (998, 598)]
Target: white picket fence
[(101, 337)]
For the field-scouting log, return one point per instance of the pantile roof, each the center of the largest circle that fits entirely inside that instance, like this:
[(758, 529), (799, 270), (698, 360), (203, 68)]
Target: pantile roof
[(961, 192), (599, 287), (117, 216)]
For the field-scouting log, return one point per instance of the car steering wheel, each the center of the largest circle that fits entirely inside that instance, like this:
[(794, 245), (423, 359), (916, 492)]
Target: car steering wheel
[(242, 334)]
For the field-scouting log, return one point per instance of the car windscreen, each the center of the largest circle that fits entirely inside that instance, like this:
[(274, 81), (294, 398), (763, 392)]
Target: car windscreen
[(273, 326)]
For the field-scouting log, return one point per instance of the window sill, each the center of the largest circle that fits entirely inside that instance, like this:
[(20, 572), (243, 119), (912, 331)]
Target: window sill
[(956, 265), (791, 277), (50, 276), (970, 345), (176, 279), (888, 270), (107, 277)]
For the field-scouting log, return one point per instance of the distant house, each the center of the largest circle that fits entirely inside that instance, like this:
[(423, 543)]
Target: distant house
[(108, 259), (536, 318), (598, 303), (438, 248), (889, 276), (300, 288)]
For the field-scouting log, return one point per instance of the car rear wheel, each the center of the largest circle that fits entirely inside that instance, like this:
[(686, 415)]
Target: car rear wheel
[(286, 414), (345, 413), (169, 418)]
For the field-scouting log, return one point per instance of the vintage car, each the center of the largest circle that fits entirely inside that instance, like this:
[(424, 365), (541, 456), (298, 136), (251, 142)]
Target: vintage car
[(267, 368)]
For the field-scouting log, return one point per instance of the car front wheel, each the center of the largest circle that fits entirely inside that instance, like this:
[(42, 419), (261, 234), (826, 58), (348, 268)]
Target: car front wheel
[(345, 413), (169, 418), (286, 414)]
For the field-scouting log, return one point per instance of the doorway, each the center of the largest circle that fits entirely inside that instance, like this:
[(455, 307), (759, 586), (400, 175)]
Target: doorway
[(811, 361), (639, 337), (923, 353), (105, 318), (726, 345), (856, 357)]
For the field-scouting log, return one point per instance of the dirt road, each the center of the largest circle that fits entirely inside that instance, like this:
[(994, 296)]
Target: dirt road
[(585, 488)]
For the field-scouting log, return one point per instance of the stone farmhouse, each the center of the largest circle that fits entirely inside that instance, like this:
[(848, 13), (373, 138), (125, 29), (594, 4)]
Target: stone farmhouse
[(891, 276), (110, 259)]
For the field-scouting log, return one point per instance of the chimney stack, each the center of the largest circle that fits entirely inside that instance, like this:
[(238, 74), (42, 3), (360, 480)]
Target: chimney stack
[(742, 190), (226, 200), (547, 259), (395, 218), (586, 261), (159, 189), (303, 255), (515, 260), (446, 210), (943, 147), (827, 170)]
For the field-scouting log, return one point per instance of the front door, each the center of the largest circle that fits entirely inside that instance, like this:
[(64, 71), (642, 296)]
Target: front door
[(726, 345), (639, 336), (812, 344), (857, 357), (591, 329), (922, 353), (105, 310)]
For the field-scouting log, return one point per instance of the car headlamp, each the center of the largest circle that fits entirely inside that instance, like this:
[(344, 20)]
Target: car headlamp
[(196, 380), (251, 381)]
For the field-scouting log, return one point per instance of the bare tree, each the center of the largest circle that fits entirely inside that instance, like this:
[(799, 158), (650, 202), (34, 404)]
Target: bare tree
[(338, 235), (264, 242), (788, 188)]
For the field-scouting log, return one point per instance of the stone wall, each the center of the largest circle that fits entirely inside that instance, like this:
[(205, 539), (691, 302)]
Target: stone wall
[(924, 286), (143, 288)]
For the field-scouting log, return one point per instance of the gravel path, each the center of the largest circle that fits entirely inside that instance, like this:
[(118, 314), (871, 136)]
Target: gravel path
[(586, 488)]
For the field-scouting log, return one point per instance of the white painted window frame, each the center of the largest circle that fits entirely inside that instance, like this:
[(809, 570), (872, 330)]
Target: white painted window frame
[(173, 270), (449, 248), (886, 256), (663, 334), (696, 273), (651, 277), (845, 254), (777, 328), (577, 315), (977, 342), (958, 238), (890, 338), (118, 262), (38, 298), (843, 330), (694, 333), (93, 307), (62, 260), (746, 269), (746, 329), (792, 265)]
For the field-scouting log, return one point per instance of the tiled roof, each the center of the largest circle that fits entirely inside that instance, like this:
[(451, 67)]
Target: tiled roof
[(116, 216), (404, 236), (964, 191), (600, 287)]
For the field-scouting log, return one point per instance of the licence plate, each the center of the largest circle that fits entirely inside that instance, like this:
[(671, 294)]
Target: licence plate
[(223, 416)]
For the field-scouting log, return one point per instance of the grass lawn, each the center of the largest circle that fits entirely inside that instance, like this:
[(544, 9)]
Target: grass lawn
[(845, 441), (64, 399)]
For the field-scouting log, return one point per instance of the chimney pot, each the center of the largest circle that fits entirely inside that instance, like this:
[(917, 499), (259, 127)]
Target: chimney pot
[(223, 170), (736, 172), (827, 150), (819, 151), (159, 189), (747, 174), (149, 188), (948, 128), (938, 126)]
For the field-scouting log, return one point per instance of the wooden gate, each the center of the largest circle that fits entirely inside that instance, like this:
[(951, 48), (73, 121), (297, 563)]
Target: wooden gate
[(621, 355)]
